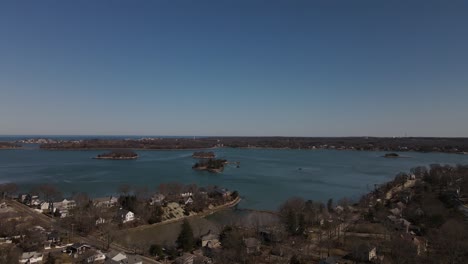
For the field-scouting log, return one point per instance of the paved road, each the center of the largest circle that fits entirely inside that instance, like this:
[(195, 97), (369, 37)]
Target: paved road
[(48, 222)]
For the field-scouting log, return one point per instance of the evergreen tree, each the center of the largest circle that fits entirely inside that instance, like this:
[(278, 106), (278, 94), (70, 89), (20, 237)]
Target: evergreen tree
[(185, 239), (330, 205)]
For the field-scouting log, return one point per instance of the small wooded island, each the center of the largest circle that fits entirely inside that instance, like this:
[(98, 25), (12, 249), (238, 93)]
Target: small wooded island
[(211, 165), (391, 155), (8, 145), (203, 155), (118, 155)]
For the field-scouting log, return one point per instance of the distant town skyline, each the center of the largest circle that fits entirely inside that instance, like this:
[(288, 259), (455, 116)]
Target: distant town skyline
[(234, 68)]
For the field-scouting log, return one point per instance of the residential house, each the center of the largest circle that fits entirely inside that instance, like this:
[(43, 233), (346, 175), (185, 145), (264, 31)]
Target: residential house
[(96, 257), (210, 240), (157, 199), (100, 221), (77, 249), (53, 239), (185, 259), (115, 257), (339, 209), (63, 207), (186, 194), (35, 201), (252, 245), (46, 207), (105, 201), (31, 257), (188, 200), (223, 192), (125, 216)]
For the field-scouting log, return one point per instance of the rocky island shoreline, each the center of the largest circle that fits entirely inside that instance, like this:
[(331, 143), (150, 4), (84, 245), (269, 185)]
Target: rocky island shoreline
[(118, 155), (211, 165)]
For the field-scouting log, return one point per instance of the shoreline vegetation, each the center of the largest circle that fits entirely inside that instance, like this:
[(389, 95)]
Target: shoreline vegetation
[(203, 155), (9, 145), (446, 145), (211, 165), (118, 155)]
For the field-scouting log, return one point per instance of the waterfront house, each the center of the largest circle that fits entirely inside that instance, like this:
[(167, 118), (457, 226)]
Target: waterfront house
[(157, 199), (31, 257), (223, 192), (46, 207), (125, 216), (63, 207), (252, 245), (186, 194), (105, 201), (210, 240), (339, 209)]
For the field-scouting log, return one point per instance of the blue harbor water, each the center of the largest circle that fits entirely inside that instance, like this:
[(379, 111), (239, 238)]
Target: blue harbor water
[(265, 178)]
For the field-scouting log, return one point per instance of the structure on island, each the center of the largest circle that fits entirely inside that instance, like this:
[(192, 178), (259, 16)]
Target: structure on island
[(203, 155), (391, 155), (118, 155), (211, 165)]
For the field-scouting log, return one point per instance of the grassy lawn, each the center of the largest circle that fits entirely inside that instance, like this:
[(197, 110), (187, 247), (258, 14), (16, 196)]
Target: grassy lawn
[(162, 234)]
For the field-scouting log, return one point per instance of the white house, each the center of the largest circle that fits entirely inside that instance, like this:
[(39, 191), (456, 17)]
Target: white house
[(98, 256), (187, 194), (125, 216), (31, 257), (188, 200), (100, 221), (157, 199), (45, 206), (121, 257)]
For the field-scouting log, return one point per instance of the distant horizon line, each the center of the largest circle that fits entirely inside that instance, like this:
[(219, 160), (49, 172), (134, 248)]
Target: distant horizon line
[(206, 136)]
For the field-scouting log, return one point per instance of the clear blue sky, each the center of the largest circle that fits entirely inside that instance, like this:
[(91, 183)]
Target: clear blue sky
[(247, 68)]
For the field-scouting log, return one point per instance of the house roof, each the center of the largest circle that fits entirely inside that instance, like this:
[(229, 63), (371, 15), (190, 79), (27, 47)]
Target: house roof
[(32, 254), (79, 245)]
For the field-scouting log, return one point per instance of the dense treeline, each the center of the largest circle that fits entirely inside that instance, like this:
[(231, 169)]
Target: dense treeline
[(7, 145), (452, 145), (123, 154), (213, 165)]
